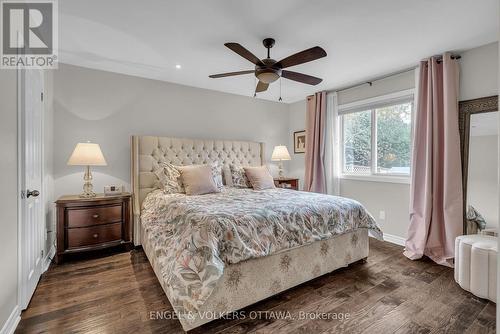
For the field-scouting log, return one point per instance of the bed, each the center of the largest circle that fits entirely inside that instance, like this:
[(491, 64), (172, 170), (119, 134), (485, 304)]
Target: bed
[(217, 253)]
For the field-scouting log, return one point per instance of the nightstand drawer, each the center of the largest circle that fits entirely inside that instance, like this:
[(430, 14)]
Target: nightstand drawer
[(85, 236), (94, 216)]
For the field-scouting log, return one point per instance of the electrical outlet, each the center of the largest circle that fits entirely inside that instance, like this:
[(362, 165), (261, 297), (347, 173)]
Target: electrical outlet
[(381, 215)]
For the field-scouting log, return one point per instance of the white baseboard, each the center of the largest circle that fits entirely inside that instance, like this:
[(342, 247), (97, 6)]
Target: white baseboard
[(10, 325), (394, 239), (48, 257)]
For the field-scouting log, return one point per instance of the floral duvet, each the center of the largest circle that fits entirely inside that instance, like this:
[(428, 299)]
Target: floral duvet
[(194, 237)]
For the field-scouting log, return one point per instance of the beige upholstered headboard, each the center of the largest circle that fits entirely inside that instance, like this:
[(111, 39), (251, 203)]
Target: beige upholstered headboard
[(148, 151)]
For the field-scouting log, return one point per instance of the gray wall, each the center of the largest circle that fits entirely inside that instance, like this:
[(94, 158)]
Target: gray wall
[(479, 72), (395, 83), (296, 121), (107, 108), (8, 193), (393, 198)]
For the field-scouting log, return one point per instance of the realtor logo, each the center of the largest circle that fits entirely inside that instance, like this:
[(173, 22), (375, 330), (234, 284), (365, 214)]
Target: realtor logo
[(29, 34)]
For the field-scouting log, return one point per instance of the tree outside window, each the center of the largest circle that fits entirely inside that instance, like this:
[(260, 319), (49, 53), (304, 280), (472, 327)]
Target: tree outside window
[(378, 140)]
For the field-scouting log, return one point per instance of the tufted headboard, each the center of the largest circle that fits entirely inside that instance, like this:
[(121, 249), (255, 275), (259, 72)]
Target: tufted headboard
[(148, 151)]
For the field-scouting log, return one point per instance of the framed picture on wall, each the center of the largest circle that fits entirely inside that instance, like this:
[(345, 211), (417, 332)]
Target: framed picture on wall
[(299, 141)]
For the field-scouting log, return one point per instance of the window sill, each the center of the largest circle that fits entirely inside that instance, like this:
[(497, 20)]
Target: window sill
[(377, 178)]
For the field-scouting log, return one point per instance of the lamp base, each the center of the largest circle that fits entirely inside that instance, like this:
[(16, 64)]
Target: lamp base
[(280, 173), (88, 195), (87, 185)]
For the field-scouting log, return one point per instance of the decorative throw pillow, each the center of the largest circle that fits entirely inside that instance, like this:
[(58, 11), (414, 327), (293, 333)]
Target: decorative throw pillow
[(170, 178), (217, 174), (198, 179), (259, 177), (239, 177)]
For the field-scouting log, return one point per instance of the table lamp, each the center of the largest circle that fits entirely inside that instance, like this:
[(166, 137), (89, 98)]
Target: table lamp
[(280, 153), (87, 154)]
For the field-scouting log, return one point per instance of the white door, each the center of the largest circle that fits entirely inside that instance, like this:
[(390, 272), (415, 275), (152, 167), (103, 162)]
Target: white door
[(32, 223)]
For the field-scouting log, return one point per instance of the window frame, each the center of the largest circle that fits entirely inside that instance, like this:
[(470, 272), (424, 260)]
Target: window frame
[(371, 104)]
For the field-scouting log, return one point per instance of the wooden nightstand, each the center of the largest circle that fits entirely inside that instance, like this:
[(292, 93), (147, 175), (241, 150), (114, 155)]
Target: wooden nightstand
[(86, 224), (287, 183)]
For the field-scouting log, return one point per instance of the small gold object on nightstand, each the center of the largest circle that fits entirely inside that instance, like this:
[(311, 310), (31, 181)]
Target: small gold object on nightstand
[(280, 153), (87, 154)]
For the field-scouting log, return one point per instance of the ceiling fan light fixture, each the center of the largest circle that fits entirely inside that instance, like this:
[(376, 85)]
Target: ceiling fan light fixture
[(267, 76)]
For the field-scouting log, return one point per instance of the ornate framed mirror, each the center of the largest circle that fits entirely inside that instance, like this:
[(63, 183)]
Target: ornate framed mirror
[(478, 126)]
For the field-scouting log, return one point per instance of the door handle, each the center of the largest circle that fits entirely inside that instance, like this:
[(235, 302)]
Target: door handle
[(33, 193)]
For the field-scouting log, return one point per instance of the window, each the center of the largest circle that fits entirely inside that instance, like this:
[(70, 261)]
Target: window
[(376, 137)]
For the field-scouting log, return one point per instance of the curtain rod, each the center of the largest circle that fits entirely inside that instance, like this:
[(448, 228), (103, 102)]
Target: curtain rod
[(371, 81)]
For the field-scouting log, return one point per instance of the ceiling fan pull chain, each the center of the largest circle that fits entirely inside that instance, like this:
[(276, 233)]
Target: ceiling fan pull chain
[(280, 99), (255, 84)]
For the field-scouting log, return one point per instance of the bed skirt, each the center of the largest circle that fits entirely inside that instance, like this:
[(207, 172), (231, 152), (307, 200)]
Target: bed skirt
[(253, 280)]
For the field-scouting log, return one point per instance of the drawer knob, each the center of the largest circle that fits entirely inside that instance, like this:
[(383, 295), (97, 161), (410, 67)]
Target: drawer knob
[(95, 216), (95, 235)]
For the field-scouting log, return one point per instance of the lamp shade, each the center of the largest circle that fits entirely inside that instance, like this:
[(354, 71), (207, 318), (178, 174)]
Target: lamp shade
[(280, 153), (87, 154)]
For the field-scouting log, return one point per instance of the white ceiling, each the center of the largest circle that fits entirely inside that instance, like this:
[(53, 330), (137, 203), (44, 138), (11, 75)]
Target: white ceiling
[(484, 124), (363, 38)]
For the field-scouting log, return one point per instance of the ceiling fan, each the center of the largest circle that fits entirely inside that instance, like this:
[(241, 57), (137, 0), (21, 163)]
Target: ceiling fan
[(268, 70)]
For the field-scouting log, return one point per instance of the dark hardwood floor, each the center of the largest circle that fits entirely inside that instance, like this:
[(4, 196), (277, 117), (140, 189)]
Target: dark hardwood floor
[(388, 294)]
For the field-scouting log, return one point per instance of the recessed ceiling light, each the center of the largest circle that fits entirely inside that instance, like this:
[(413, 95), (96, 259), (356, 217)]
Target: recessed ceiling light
[(178, 66)]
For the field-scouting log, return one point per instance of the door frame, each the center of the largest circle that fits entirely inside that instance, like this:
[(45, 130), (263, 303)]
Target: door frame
[(21, 256)]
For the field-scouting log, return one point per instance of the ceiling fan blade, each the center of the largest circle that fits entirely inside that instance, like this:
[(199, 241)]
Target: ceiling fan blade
[(244, 53), (229, 74), (304, 78), (302, 57), (261, 87)]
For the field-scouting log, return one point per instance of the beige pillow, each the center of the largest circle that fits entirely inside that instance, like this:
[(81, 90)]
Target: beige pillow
[(198, 179), (259, 177)]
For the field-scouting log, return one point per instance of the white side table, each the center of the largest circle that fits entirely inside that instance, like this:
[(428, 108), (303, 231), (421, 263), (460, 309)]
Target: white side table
[(476, 264)]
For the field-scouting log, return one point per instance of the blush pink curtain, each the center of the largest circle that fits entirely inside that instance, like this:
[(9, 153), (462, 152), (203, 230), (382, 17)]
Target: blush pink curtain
[(314, 179), (436, 187)]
